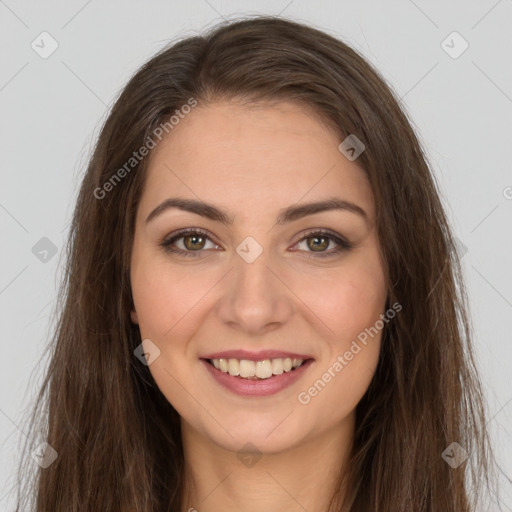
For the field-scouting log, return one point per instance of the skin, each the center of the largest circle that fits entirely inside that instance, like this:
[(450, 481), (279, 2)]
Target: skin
[(253, 161)]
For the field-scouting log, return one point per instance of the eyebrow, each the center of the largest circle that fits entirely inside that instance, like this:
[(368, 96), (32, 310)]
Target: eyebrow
[(286, 215)]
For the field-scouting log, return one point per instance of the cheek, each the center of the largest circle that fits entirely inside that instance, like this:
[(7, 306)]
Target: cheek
[(168, 309), (349, 301), (163, 296), (352, 311)]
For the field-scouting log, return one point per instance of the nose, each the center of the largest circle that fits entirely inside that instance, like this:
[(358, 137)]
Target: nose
[(256, 298)]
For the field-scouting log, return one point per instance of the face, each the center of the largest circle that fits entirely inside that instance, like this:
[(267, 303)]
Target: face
[(257, 276)]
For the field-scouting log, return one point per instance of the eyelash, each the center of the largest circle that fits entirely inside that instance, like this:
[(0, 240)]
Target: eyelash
[(342, 244)]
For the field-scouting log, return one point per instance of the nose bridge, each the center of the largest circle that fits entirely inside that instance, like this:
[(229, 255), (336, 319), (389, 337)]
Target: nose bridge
[(255, 298)]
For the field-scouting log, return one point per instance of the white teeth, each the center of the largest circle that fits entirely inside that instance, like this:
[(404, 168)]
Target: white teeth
[(223, 363), (264, 369), (256, 369), (233, 367), (277, 366), (247, 368)]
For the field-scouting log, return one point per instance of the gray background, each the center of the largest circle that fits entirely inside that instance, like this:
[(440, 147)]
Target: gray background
[(51, 111)]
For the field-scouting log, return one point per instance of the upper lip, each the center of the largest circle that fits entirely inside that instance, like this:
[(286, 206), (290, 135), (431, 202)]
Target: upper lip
[(255, 356)]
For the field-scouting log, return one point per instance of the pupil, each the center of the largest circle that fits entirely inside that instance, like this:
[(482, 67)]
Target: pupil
[(321, 246), (194, 238)]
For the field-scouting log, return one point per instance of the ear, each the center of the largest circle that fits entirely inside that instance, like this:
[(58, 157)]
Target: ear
[(135, 318)]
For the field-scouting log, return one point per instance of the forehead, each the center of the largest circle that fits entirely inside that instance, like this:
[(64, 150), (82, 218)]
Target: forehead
[(254, 156)]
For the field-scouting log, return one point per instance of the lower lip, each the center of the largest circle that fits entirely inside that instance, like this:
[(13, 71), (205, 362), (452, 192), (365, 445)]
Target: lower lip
[(256, 387)]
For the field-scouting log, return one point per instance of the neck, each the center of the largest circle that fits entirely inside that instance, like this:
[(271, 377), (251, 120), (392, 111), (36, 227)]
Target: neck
[(303, 477)]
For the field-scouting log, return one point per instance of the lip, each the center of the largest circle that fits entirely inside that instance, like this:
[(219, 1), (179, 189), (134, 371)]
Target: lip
[(255, 356), (256, 388)]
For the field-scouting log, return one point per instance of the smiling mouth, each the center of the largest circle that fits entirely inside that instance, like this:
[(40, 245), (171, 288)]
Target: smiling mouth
[(257, 370)]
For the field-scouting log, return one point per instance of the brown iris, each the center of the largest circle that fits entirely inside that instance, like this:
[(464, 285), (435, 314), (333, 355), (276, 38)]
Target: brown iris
[(314, 246), (196, 240)]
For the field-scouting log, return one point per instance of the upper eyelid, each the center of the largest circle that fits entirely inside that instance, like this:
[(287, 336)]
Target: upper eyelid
[(186, 231)]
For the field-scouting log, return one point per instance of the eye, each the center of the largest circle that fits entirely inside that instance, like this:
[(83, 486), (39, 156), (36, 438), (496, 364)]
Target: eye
[(194, 241), (320, 239), (191, 240)]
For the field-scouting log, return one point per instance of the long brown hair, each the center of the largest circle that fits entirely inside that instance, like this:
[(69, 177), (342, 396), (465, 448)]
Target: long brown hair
[(99, 406)]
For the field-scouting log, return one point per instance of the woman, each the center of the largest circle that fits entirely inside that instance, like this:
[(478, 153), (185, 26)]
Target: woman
[(263, 307)]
